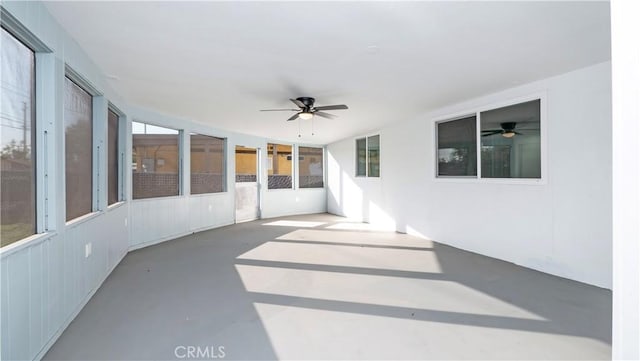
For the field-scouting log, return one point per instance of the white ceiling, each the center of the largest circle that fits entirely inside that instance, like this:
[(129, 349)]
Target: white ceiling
[(220, 62)]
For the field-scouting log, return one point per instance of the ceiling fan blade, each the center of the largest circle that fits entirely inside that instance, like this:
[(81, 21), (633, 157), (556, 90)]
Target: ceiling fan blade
[(279, 110), (332, 107), (325, 115), (294, 117), (493, 132), (298, 103)]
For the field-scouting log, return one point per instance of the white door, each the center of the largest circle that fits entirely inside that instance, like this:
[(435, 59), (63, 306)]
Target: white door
[(247, 184)]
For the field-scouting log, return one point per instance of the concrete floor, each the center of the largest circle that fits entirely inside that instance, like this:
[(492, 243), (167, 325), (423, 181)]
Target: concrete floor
[(319, 287)]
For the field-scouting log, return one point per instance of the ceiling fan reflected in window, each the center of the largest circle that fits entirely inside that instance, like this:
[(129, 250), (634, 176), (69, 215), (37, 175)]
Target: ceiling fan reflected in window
[(507, 130)]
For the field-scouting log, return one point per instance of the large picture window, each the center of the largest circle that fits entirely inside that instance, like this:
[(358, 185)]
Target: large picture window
[(310, 161), (280, 166), (113, 158), (208, 173), (368, 156), (78, 121), (510, 143), (17, 152), (155, 160)]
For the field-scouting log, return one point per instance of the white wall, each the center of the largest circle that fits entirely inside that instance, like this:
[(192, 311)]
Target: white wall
[(46, 280), (625, 56), (562, 227)]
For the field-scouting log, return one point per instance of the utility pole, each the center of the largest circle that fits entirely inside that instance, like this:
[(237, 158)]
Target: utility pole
[(24, 128)]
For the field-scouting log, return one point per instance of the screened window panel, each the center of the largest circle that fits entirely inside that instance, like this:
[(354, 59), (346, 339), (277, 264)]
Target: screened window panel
[(78, 122), (246, 165), (511, 141), (280, 166), (310, 167), (155, 168), (17, 139), (373, 150), (457, 154), (361, 157), (208, 173), (113, 161)]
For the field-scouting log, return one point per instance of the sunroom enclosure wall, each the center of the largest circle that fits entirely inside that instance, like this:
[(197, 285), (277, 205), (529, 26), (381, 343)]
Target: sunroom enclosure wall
[(560, 224)]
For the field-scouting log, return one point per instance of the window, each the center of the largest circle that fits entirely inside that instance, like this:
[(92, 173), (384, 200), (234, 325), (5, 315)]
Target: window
[(457, 147), (78, 121), (373, 154), (361, 157), (17, 140), (246, 164), (208, 173), (113, 157), (310, 161), (280, 166), (511, 141), (368, 156), (155, 161)]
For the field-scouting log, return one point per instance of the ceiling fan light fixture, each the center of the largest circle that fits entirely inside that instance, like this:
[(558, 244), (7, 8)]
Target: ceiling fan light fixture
[(305, 115), (509, 134)]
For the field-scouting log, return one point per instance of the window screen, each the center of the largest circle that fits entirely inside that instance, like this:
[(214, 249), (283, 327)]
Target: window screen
[(280, 166), (113, 157), (17, 152), (78, 121), (155, 160), (310, 167), (207, 164)]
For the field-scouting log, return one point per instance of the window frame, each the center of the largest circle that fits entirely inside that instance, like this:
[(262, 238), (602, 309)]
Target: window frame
[(35, 124), (225, 170), (366, 149), (180, 152), (542, 96), (122, 131), (45, 125), (324, 173)]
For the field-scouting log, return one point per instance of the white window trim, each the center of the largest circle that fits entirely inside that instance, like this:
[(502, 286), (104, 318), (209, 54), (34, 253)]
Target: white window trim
[(542, 96)]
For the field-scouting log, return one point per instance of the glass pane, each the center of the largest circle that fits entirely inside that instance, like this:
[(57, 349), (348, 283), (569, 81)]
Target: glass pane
[(78, 150), (310, 167), (511, 141), (457, 148), (373, 144), (17, 153), (207, 164), (246, 164), (279, 166), (113, 158), (155, 161), (361, 157)]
